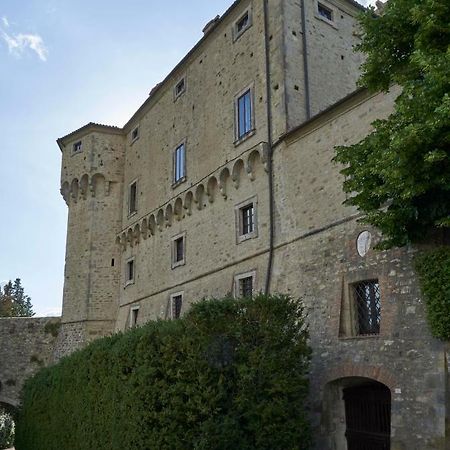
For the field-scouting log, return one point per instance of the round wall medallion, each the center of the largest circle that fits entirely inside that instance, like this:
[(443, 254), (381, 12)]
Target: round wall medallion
[(363, 243)]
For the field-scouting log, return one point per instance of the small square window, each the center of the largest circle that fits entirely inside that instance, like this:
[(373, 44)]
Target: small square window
[(180, 88), (242, 24), (134, 313), (135, 134), (176, 304), (178, 250), (129, 275), (179, 164), (325, 12), (246, 220), (77, 147), (132, 198), (244, 115), (367, 306), (244, 285)]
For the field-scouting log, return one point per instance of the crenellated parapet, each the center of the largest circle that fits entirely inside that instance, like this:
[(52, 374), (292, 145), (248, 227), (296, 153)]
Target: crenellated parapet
[(198, 196)]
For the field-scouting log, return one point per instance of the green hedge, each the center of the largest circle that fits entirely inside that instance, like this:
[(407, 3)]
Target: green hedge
[(433, 268), (232, 374)]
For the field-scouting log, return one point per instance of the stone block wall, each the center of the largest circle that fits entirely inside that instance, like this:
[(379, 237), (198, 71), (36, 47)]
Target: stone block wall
[(27, 345)]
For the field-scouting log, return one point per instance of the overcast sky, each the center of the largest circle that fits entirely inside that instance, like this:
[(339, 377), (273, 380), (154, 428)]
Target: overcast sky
[(63, 64)]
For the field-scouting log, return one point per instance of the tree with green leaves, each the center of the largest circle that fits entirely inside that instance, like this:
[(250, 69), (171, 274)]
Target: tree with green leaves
[(399, 175), (14, 302)]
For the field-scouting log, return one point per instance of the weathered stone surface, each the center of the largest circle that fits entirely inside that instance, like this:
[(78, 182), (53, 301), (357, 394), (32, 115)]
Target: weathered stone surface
[(26, 345)]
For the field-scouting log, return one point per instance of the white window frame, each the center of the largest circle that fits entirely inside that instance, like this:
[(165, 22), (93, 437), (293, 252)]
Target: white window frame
[(239, 139), (173, 252), (176, 94), (133, 310), (182, 179), (129, 281), (238, 211), (75, 145), (133, 137), (171, 304), (241, 276), (133, 212), (238, 33)]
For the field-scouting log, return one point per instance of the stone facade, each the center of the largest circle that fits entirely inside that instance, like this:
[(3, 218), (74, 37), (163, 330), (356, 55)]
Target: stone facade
[(133, 200), (27, 344)]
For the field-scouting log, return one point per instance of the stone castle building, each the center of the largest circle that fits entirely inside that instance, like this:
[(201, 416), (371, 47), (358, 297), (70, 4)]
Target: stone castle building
[(222, 182)]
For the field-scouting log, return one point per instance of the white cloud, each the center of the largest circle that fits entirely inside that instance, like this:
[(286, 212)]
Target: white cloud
[(5, 22), (19, 43)]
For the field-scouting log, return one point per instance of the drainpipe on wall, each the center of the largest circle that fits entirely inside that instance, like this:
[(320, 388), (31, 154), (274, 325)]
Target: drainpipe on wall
[(270, 150), (305, 63)]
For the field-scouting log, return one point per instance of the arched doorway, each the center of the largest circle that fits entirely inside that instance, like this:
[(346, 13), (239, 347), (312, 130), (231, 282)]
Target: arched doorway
[(7, 424), (356, 415), (368, 416)]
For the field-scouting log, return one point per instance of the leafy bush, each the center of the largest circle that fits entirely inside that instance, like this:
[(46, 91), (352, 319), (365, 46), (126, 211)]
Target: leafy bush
[(232, 374), (6, 429), (433, 268)]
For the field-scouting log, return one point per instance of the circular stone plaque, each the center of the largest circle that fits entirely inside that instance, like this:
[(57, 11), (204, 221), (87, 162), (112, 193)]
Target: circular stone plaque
[(363, 243)]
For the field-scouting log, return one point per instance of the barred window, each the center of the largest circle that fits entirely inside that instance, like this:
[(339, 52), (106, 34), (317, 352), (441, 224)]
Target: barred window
[(246, 287), (367, 300), (177, 303)]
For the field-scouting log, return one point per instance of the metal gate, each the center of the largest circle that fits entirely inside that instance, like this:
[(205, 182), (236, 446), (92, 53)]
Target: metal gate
[(368, 417)]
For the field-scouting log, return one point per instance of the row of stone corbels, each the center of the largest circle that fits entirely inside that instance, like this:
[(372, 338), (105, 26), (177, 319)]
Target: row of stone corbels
[(83, 187), (195, 198)]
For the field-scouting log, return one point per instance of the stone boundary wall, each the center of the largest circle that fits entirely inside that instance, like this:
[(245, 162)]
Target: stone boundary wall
[(26, 345)]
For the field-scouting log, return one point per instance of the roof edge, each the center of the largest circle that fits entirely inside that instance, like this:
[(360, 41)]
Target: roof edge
[(89, 127)]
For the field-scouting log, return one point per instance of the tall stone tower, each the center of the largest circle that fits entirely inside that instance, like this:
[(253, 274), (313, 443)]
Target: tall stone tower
[(92, 186)]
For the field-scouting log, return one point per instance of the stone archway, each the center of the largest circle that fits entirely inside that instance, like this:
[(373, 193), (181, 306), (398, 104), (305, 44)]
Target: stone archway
[(9, 412), (357, 414)]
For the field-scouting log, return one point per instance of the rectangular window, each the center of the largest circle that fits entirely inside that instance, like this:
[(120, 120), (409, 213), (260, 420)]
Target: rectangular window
[(244, 284), (134, 134), (325, 12), (77, 147), (367, 306), (178, 250), (179, 161), (246, 220), (132, 198), (129, 276), (176, 304), (180, 88), (244, 114), (242, 24), (134, 313)]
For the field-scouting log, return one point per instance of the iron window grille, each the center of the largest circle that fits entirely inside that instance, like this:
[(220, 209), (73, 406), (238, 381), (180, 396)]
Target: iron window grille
[(246, 287), (177, 303), (368, 307)]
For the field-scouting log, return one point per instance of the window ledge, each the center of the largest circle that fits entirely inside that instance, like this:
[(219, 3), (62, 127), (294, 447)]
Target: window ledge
[(134, 140), (132, 214), (178, 264), (243, 138), (177, 183), (76, 153), (128, 283), (359, 337), (324, 19), (245, 237)]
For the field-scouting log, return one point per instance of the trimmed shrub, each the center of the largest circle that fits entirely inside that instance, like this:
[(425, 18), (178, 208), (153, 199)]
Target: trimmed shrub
[(433, 268), (232, 374)]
